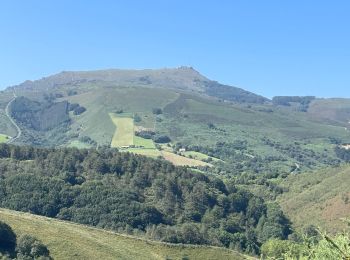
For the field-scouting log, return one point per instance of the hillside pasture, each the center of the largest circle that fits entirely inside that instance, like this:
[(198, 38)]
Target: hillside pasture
[(144, 143), (179, 160), (198, 156), (78, 144), (124, 133), (67, 240), (154, 153)]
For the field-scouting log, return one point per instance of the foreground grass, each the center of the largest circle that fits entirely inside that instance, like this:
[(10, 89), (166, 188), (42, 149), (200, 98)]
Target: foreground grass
[(67, 240)]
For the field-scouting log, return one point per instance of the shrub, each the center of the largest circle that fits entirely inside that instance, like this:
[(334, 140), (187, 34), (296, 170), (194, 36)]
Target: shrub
[(32, 247), (157, 111), (161, 139), (79, 110)]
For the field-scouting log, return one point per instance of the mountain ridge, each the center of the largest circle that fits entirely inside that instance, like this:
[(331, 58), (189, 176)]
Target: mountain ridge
[(181, 78)]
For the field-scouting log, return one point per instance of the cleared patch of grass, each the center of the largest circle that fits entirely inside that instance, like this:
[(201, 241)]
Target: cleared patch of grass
[(198, 156), (124, 134), (78, 144), (4, 138), (67, 240), (145, 143), (183, 161), (154, 153)]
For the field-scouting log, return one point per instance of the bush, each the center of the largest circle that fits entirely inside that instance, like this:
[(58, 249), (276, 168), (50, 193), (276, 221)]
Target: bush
[(71, 92), (280, 249), (157, 111), (79, 110), (161, 139), (137, 118), (32, 247)]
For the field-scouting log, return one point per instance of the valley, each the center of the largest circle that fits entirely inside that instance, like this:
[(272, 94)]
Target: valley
[(261, 168)]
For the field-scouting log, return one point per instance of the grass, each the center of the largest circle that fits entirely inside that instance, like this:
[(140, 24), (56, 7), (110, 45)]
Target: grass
[(3, 138), (183, 161), (124, 134), (145, 143), (319, 198), (198, 156), (67, 240), (154, 153), (78, 144)]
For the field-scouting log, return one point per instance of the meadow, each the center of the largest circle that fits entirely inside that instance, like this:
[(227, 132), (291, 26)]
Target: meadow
[(124, 133)]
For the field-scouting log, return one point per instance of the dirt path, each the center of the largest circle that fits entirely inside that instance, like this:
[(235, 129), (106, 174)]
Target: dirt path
[(19, 132)]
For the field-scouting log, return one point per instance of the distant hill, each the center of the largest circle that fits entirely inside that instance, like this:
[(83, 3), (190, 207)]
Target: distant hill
[(319, 198), (67, 240), (182, 78), (239, 130)]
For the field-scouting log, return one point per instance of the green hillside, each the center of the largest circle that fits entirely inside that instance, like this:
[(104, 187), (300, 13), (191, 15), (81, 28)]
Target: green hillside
[(67, 240), (319, 198), (247, 133)]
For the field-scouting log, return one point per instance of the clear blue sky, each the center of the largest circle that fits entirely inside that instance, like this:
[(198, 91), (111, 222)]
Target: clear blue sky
[(292, 47)]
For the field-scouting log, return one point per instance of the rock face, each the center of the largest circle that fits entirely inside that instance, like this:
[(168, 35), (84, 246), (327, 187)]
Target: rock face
[(39, 116)]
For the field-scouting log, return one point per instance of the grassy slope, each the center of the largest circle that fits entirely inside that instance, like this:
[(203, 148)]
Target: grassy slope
[(124, 134), (71, 241), (320, 198), (187, 121), (181, 160), (333, 110), (101, 100)]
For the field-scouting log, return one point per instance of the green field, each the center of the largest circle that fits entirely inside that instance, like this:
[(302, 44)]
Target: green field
[(198, 156), (78, 144), (4, 138), (145, 143), (67, 240), (154, 153), (182, 160), (124, 133)]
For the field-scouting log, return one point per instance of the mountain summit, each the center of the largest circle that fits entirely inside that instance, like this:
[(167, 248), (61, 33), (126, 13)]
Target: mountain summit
[(182, 79)]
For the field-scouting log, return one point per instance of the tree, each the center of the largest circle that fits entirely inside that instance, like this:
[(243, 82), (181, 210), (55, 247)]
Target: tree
[(32, 247), (7, 238), (157, 111)]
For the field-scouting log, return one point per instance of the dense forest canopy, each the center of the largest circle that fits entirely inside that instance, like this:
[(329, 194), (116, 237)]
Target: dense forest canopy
[(135, 194)]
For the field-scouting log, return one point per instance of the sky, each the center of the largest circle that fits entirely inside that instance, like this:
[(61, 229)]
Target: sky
[(270, 47)]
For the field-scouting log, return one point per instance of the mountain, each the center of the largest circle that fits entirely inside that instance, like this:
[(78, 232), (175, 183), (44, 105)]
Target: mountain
[(181, 79), (244, 157), (215, 123)]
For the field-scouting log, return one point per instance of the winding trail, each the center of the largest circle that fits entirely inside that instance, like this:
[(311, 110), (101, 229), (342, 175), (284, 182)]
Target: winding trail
[(7, 111)]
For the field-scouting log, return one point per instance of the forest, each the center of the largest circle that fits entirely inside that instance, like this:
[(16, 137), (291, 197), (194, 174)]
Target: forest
[(136, 195)]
